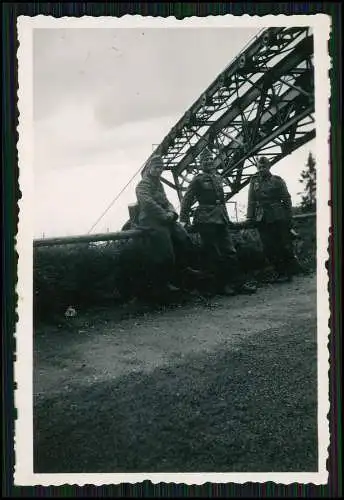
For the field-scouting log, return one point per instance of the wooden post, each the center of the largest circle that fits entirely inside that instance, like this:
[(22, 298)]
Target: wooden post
[(89, 238)]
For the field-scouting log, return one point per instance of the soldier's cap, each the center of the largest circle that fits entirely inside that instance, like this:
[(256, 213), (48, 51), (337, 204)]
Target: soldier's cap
[(206, 155), (156, 160), (263, 160)]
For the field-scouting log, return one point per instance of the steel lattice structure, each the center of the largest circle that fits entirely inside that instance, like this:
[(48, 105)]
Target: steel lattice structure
[(261, 104)]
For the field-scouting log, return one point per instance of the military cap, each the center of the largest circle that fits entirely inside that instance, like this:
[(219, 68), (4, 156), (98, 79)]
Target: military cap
[(156, 160), (206, 155), (264, 160)]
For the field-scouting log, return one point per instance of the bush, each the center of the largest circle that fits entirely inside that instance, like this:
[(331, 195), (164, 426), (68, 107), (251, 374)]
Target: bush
[(306, 243), (89, 275), (74, 275)]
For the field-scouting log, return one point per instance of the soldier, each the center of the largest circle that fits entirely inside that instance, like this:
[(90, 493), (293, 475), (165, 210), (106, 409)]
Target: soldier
[(171, 245), (212, 223), (270, 210)]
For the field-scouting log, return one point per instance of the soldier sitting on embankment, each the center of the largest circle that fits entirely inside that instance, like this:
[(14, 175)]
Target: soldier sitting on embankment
[(171, 247)]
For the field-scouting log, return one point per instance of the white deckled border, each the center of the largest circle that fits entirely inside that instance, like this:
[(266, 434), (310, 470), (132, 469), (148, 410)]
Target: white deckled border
[(24, 475)]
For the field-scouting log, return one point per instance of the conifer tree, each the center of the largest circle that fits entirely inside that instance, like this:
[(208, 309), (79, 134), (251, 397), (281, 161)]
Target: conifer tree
[(309, 181)]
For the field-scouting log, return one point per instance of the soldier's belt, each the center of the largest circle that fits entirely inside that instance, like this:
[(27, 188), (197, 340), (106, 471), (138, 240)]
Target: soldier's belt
[(214, 204)]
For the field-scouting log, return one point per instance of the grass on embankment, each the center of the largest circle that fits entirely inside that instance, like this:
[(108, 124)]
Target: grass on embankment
[(86, 276)]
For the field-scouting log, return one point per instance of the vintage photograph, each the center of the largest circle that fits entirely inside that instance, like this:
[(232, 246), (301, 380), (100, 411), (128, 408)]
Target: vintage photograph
[(172, 243)]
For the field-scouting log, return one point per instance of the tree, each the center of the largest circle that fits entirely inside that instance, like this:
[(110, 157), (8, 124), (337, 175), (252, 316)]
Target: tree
[(309, 180)]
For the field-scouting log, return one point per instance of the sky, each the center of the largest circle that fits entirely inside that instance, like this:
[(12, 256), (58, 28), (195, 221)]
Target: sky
[(102, 99)]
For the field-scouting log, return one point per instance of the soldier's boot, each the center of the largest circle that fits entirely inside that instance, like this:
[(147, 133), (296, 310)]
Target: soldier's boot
[(280, 277), (284, 273), (284, 278), (172, 288), (228, 290), (163, 285), (194, 272), (164, 293), (298, 268), (269, 276), (247, 288)]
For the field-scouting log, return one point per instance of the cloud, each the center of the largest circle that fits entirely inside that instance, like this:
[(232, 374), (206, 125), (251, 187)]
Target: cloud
[(105, 95), (72, 137), (129, 75)]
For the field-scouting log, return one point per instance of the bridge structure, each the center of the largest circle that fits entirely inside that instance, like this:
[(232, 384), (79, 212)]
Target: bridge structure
[(262, 104)]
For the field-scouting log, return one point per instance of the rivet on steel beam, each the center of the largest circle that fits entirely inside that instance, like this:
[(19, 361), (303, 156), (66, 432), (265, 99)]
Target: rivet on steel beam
[(242, 61), (266, 39)]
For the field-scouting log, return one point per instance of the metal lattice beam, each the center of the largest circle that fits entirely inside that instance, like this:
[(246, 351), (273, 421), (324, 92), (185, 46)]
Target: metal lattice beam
[(262, 103)]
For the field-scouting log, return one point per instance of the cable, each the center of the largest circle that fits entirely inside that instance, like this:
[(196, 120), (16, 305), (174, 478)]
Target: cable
[(116, 198)]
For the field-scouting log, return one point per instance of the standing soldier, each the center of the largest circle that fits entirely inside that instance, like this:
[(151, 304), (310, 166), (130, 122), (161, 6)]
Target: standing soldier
[(212, 223), (166, 235), (270, 210)]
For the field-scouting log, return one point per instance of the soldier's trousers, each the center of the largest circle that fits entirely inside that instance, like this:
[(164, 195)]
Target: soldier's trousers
[(220, 257), (170, 250), (278, 246)]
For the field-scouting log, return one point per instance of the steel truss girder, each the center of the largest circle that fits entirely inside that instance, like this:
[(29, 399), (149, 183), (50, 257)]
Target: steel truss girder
[(260, 101)]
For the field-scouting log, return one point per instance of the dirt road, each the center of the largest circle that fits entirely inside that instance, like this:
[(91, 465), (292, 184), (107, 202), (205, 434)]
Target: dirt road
[(227, 384)]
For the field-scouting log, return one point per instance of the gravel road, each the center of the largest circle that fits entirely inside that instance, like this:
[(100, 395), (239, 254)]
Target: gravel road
[(223, 384)]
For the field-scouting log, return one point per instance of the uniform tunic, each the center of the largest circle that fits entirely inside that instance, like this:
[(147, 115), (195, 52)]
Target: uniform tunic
[(269, 205), (207, 190), (170, 245), (152, 202), (268, 199)]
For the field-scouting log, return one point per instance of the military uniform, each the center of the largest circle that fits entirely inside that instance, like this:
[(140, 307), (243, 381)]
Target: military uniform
[(270, 207), (211, 221), (170, 245)]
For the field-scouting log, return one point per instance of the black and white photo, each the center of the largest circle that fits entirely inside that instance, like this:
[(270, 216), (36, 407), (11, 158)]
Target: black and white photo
[(173, 232)]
